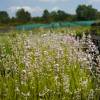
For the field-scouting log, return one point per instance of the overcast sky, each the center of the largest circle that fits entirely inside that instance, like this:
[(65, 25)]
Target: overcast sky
[(36, 7)]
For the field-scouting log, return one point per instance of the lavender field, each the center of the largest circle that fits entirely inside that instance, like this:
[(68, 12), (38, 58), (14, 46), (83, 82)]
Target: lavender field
[(49, 65)]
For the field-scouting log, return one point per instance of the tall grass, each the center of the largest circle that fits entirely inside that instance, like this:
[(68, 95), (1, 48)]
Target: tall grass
[(44, 67)]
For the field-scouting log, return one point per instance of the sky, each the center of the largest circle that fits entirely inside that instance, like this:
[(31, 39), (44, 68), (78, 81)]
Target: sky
[(36, 7)]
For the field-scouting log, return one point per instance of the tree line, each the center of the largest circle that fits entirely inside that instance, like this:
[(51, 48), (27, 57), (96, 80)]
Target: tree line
[(83, 13)]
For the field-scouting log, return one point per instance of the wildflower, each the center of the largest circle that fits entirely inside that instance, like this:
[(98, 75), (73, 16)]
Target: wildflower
[(17, 89)]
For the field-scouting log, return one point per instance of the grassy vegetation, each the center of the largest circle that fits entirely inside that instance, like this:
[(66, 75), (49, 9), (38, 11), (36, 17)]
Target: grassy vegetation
[(49, 65)]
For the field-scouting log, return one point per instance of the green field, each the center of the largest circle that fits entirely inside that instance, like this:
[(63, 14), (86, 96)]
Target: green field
[(47, 64)]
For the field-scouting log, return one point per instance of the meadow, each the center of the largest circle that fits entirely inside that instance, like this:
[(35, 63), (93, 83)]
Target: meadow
[(49, 65)]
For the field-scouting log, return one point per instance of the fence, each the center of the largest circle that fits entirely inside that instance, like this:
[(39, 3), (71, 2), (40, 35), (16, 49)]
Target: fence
[(55, 25)]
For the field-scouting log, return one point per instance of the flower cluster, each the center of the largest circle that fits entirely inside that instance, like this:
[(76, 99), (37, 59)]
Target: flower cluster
[(48, 66)]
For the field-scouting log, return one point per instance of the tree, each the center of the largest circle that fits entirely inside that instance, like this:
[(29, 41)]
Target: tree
[(46, 15), (84, 12), (23, 16), (61, 15), (54, 16), (4, 17)]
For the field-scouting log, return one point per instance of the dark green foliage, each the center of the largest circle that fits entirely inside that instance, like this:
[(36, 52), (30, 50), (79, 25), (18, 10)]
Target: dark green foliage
[(4, 17), (56, 16), (62, 15), (98, 15), (46, 14), (23, 16), (86, 12)]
